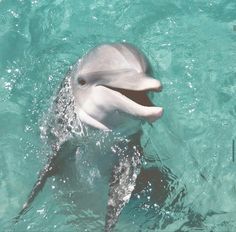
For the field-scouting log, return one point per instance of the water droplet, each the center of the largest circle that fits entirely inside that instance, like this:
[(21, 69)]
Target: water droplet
[(40, 211)]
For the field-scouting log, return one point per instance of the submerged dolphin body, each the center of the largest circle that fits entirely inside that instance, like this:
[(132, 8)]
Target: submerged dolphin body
[(105, 90)]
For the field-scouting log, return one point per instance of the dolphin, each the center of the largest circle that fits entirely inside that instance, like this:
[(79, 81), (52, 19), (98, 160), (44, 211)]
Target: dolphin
[(105, 91)]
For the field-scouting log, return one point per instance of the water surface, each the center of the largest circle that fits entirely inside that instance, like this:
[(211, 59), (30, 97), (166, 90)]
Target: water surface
[(192, 48)]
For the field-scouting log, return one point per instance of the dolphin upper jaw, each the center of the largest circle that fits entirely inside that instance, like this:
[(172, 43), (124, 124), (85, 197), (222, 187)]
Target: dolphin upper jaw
[(130, 80)]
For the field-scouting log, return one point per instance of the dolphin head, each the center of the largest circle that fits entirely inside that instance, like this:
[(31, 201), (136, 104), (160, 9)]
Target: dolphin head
[(110, 86)]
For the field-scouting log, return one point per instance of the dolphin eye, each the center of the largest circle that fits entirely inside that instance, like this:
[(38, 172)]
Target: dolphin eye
[(81, 81)]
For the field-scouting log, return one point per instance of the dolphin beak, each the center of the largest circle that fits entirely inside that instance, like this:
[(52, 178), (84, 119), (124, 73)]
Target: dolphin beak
[(130, 96), (133, 81)]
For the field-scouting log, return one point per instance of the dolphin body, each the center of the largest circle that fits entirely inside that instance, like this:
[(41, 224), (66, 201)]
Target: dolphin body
[(104, 92)]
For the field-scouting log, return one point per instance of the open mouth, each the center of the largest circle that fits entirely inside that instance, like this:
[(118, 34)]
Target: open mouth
[(134, 102), (140, 97)]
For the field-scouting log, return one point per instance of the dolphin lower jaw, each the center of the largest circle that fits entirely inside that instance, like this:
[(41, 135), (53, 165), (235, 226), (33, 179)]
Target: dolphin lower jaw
[(120, 122), (90, 120)]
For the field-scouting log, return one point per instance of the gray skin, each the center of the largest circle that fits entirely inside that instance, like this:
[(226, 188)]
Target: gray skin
[(105, 91)]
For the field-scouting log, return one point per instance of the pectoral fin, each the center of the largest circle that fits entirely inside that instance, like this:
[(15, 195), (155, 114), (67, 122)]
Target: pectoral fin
[(53, 167), (121, 185), (49, 170)]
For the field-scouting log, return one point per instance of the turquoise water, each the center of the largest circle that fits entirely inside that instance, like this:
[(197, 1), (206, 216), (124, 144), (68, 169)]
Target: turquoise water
[(192, 48)]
